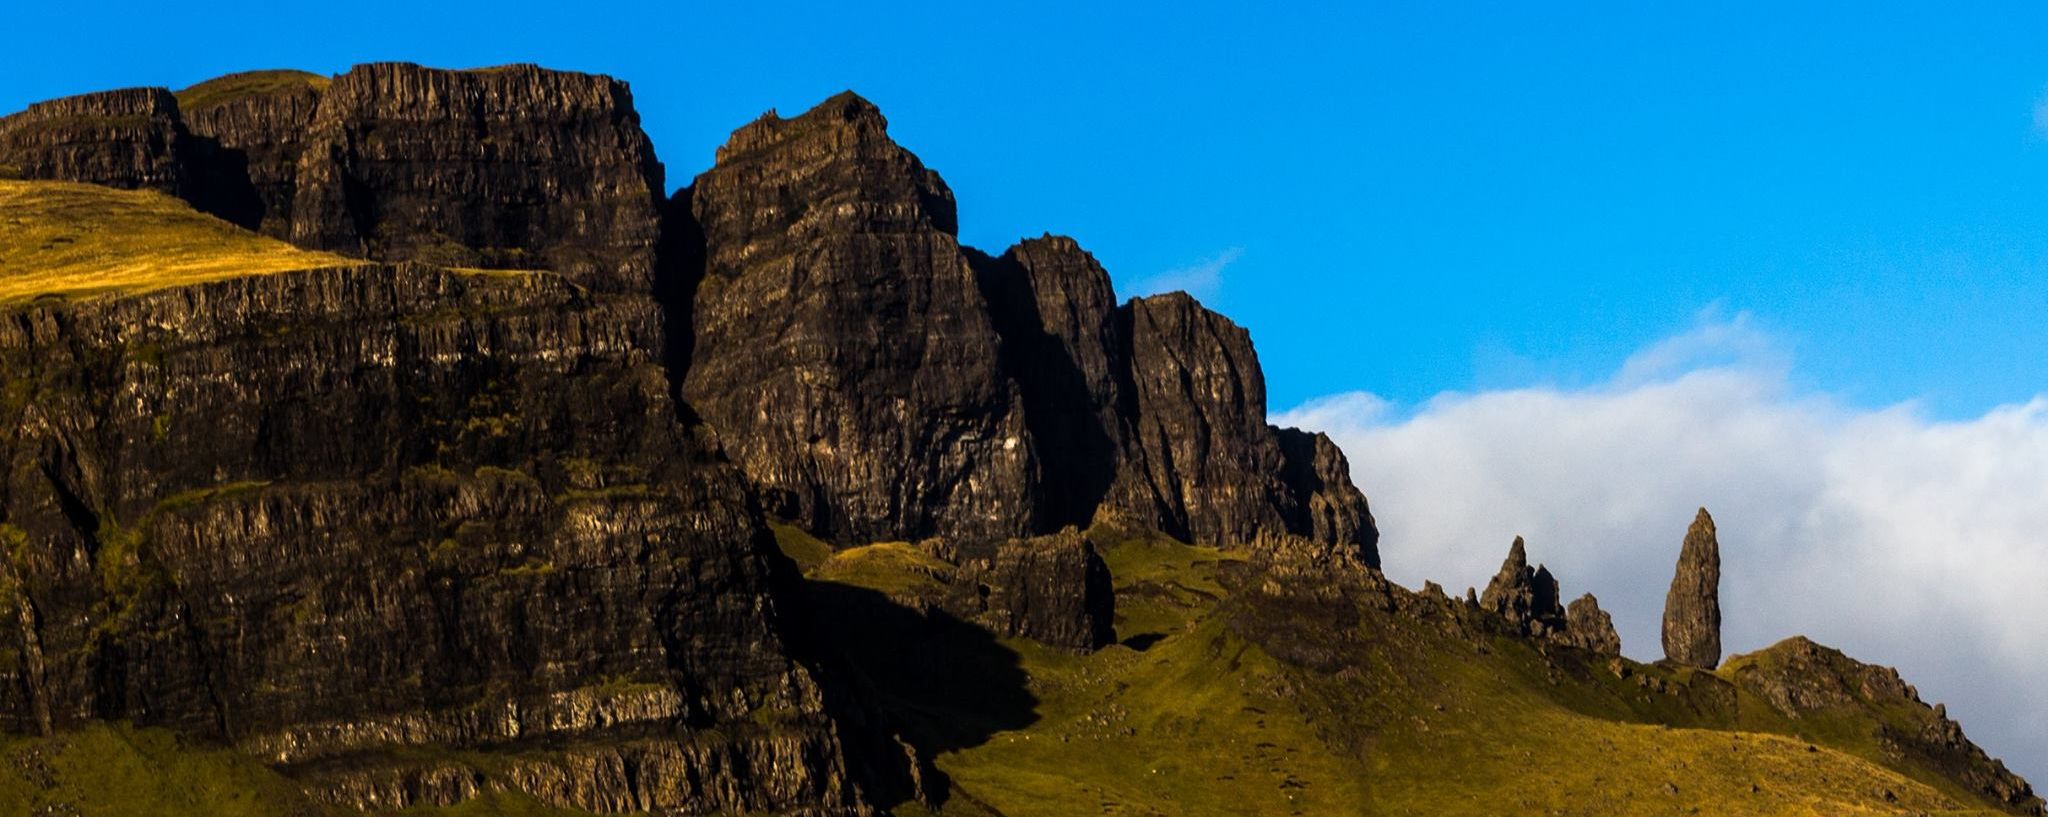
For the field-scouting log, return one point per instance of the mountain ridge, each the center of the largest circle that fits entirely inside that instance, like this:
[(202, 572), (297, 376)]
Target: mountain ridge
[(625, 492)]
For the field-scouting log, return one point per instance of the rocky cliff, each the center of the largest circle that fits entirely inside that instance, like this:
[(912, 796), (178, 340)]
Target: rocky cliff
[(130, 139), (880, 381), (335, 516), (524, 490)]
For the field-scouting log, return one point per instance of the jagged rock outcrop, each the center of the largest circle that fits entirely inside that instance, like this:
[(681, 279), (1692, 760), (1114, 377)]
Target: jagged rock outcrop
[(1212, 467), (1331, 508), (842, 345), (1806, 680), (246, 132), (515, 167), (1590, 628), (131, 139), (1054, 308), (1526, 597), (1055, 589), (1692, 608), (333, 516)]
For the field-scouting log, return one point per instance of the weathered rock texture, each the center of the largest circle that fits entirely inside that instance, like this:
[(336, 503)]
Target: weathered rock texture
[(515, 167), (1692, 609), (247, 132), (1590, 628), (329, 515), (1062, 344), (842, 347), (131, 139), (1055, 589), (1806, 680), (1526, 597)]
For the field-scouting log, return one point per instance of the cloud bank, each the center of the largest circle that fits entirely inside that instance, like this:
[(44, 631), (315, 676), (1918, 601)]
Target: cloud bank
[(1902, 540), (1203, 280)]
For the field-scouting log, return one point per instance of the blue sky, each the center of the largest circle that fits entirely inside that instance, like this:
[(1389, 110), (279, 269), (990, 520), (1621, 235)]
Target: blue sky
[(1409, 201)]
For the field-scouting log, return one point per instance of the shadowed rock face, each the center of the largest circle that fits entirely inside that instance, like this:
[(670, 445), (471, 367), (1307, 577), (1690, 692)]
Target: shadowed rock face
[(129, 139), (843, 348), (249, 142), (1061, 342), (326, 516), (515, 167), (1692, 609)]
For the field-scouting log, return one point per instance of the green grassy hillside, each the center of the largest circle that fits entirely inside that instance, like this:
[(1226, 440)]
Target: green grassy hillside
[(1303, 702)]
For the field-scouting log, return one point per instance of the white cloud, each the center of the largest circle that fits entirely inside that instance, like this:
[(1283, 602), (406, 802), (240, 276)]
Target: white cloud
[(1203, 280), (1900, 539)]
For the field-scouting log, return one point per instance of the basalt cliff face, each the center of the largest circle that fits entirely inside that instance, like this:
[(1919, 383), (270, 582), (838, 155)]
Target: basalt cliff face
[(763, 496)]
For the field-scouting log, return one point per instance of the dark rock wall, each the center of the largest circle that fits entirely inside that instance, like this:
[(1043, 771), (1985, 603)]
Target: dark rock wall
[(327, 515), (1207, 453), (515, 167), (129, 139), (1061, 342), (842, 346), (249, 146)]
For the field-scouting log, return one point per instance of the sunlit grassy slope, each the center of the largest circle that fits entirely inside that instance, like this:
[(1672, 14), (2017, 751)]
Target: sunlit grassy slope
[(59, 239), (117, 771), (1190, 717)]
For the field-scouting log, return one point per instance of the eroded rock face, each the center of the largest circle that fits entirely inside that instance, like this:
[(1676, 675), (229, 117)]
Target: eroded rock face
[(1590, 628), (328, 515), (843, 348), (129, 139), (1692, 609), (1804, 679), (248, 131), (1525, 597), (1054, 589), (1330, 508), (515, 167), (1054, 308)]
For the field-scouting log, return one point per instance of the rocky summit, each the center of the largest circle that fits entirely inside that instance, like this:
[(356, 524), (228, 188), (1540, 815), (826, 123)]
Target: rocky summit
[(398, 442)]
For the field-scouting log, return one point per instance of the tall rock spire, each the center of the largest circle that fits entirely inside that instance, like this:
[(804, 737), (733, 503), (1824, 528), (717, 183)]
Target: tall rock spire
[(1692, 610)]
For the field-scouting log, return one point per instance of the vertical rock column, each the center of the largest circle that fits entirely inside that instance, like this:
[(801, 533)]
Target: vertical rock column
[(1692, 610), (843, 349)]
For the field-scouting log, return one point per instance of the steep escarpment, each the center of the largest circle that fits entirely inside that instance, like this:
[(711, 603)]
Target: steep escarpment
[(337, 517), (249, 130), (515, 167), (839, 325), (130, 139), (841, 344)]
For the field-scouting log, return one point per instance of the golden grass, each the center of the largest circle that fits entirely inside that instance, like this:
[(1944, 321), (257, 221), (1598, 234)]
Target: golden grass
[(59, 239)]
